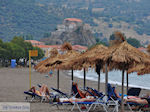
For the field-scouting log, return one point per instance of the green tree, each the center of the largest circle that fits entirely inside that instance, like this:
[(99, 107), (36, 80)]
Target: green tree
[(28, 46), (134, 42), (98, 43), (40, 53), (29, 37), (18, 40), (17, 52), (25, 45)]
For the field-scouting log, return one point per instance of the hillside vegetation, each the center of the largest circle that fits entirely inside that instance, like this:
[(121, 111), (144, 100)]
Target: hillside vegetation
[(37, 17)]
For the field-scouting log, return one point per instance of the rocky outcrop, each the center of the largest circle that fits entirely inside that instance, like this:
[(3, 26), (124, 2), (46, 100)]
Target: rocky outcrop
[(74, 33)]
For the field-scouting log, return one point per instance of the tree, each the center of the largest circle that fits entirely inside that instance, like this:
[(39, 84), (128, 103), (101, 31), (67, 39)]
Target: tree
[(18, 40), (29, 37), (98, 43), (46, 35), (134, 42), (17, 52), (25, 45), (40, 53)]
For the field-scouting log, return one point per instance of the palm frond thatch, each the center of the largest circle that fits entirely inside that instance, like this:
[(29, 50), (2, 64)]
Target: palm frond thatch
[(66, 46), (124, 56), (53, 52), (118, 38), (145, 70), (55, 62), (136, 68), (141, 69), (148, 49), (86, 59)]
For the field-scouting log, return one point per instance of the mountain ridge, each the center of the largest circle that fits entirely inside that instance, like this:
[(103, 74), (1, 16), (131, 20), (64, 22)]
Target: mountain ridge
[(37, 17)]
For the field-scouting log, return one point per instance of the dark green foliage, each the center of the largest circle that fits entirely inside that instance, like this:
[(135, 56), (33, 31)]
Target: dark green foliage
[(17, 49), (98, 43), (46, 35), (40, 53), (36, 17), (134, 42)]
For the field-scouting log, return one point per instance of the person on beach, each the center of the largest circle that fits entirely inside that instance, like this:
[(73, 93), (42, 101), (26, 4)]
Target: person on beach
[(43, 91), (140, 100), (88, 99), (82, 93)]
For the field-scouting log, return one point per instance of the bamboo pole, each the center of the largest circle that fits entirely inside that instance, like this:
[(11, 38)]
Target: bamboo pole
[(84, 78), (127, 82), (98, 82), (58, 79), (106, 79), (122, 91)]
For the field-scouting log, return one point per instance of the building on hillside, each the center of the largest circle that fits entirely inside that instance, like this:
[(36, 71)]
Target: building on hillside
[(48, 48), (69, 24), (68, 21), (79, 48)]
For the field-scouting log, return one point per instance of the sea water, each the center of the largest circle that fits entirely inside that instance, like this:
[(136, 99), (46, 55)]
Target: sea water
[(115, 77)]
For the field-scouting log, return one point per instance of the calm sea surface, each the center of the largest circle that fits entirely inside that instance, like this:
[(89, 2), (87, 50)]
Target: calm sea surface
[(115, 77)]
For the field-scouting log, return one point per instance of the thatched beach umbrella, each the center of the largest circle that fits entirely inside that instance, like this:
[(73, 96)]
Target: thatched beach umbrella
[(141, 69), (85, 60), (53, 63), (148, 49), (53, 53), (124, 56)]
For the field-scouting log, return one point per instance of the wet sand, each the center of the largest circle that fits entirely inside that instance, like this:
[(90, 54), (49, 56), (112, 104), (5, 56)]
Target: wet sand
[(14, 81)]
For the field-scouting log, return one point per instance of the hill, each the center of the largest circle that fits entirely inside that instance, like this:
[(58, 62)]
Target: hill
[(37, 17), (72, 30)]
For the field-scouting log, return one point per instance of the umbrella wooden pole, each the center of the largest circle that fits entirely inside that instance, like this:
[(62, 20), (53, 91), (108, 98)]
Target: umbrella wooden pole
[(98, 82), (84, 78), (71, 79), (58, 79), (122, 91), (72, 75), (127, 82), (106, 79)]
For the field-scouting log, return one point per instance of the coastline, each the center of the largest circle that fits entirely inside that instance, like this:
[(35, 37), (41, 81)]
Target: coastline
[(14, 81)]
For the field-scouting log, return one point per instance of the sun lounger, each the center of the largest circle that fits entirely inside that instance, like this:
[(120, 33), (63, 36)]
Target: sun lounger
[(33, 96), (134, 91), (99, 94), (76, 91), (61, 93), (88, 105), (112, 99)]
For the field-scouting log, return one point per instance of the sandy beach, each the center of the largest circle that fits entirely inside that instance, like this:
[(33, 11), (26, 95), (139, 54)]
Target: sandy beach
[(14, 81)]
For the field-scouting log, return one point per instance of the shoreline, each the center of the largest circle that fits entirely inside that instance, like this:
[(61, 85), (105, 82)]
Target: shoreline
[(14, 81), (113, 81)]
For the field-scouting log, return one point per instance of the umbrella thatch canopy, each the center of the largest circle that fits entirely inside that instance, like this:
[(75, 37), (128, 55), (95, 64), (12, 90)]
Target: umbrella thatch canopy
[(145, 70), (56, 59), (85, 60), (55, 62), (54, 53), (124, 56), (141, 69), (148, 49)]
